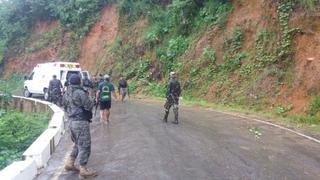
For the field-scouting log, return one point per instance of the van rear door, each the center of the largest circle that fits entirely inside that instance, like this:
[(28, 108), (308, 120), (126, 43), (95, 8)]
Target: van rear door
[(85, 73), (29, 83), (65, 75)]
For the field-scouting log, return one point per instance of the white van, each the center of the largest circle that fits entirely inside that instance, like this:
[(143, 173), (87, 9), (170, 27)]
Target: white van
[(38, 81)]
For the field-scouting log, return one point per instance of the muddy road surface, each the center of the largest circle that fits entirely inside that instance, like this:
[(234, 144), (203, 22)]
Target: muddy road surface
[(206, 145)]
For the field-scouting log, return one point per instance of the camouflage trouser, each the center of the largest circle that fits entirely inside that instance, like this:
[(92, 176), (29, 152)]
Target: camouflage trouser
[(80, 136), (55, 97), (172, 103)]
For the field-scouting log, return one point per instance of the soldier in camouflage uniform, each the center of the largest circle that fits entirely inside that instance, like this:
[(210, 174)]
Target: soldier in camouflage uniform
[(77, 102), (54, 90), (94, 86), (173, 93), (87, 85)]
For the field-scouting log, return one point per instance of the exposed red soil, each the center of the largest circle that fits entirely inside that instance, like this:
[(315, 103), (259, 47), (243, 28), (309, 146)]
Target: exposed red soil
[(253, 16), (102, 34), (250, 16), (27, 62), (307, 60)]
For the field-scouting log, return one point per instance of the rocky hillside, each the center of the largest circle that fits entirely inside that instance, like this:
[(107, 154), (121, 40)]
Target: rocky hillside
[(258, 54)]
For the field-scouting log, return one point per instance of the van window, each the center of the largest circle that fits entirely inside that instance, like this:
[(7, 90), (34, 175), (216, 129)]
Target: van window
[(84, 73), (63, 75), (31, 76), (69, 73)]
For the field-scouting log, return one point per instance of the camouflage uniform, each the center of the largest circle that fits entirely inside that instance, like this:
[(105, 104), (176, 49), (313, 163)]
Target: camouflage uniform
[(94, 88), (173, 93), (75, 100), (55, 87), (87, 84)]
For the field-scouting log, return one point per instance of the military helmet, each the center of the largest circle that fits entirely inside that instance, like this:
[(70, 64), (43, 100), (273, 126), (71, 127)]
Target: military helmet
[(75, 79)]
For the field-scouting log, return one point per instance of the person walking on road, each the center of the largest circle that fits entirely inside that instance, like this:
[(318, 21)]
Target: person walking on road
[(123, 88), (172, 94), (87, 84), (100, 79), (55, 90), (77, 107), (95, 84), (105, 90)]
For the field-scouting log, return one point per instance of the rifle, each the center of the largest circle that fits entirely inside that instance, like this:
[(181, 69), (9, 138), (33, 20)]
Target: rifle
[(173, 98), (96, 107)]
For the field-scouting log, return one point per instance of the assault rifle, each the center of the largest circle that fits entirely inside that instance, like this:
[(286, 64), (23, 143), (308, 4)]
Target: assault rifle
[(96, 107)]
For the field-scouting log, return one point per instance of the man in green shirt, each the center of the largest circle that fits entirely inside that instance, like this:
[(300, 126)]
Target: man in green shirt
[(103, 96)]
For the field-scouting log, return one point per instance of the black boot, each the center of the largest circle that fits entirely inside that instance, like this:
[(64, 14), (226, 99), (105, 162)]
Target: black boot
[(165, 118)]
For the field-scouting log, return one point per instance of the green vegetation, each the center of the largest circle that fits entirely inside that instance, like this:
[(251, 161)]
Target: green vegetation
[(314, 108), (12, 85), (171, 29), (181, 36), (284, 10), (265, 47), (154, 89), (17, 132), (309, 4), (17, 18)]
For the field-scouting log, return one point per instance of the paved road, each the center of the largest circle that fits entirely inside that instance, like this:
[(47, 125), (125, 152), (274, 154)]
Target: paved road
[(136, 145)]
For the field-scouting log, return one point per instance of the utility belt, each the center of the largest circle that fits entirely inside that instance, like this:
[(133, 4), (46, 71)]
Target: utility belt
[(84, 115), (81, 119)]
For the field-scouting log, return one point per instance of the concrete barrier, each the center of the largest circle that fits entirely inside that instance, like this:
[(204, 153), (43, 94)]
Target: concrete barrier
[(20, 170), (40, 151)]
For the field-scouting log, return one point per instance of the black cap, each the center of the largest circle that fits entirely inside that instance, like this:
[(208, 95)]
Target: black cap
[(75, 79)]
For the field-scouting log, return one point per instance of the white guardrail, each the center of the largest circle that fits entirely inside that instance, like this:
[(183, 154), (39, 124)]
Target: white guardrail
[(40, 151)]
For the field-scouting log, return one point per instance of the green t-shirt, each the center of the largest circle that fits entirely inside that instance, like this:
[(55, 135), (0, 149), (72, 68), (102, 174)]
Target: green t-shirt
[(105, 89)]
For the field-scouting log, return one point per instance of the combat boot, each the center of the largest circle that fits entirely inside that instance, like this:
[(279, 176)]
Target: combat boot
[(86, 173), (69, 166)]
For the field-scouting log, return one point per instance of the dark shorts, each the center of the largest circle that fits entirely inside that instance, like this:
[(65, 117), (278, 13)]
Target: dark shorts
[(105, 105)]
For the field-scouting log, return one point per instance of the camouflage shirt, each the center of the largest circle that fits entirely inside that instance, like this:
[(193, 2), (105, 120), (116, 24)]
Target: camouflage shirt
[(55, 84), (173, 88), (74, 101), (87, 83)]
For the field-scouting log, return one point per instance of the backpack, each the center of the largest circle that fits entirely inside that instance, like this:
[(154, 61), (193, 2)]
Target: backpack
[(105, 93)]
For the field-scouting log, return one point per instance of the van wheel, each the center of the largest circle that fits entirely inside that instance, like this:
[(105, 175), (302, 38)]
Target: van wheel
[(46, 94), (26, 93)]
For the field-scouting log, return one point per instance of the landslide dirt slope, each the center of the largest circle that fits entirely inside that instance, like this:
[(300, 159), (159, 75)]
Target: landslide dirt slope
[(25, 61), (251, 16), (94, 47)]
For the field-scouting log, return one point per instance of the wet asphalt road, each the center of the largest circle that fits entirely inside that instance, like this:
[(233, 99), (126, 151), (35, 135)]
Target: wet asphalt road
[(136, 145)]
